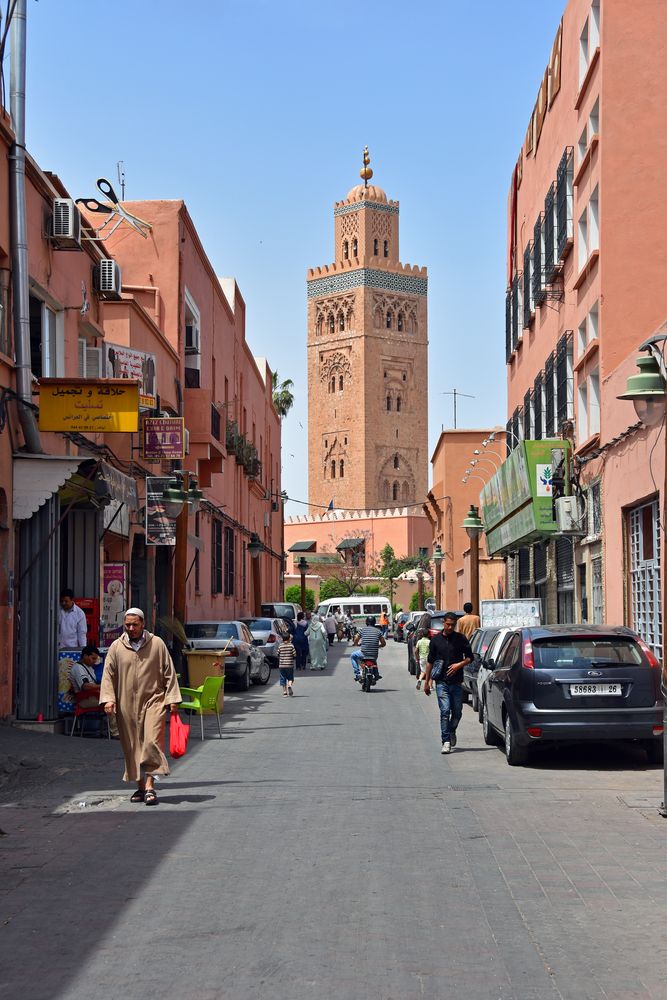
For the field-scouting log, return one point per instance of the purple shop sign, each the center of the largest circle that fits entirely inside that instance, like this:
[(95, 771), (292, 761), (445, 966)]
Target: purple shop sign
[(162, 438)]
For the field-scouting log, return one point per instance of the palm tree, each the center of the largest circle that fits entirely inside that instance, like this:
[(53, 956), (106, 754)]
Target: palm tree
[(283, 397)]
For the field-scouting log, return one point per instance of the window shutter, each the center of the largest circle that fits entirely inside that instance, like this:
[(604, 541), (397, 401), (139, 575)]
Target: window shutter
[(537, 408), (527, 291), (515, 312), (81, 349), (538, 274), (549, 397), (527, 407), (508, 327), (564, 199), (549, 243)]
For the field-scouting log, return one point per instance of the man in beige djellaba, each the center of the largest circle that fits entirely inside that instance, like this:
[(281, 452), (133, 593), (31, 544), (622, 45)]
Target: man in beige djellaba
[(138, 684)]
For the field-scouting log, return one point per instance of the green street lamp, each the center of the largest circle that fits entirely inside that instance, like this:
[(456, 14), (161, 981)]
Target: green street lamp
[(438, 556), (474, 527), (174, 496), (647, 390), (303, 568)]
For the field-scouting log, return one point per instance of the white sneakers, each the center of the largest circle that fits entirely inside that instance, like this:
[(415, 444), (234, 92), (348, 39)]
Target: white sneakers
[(446, 748)]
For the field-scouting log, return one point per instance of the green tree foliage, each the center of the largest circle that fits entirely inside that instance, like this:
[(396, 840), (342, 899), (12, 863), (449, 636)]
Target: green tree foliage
[(293, 596), (333, 588), (414, 600), (370, 589), (283, 397)]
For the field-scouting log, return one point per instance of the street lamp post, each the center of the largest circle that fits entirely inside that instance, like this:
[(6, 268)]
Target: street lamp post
[(438, 556), (420, 591), (474, 527), (303, 568), (254, 548), (648, 391), (180, 497)]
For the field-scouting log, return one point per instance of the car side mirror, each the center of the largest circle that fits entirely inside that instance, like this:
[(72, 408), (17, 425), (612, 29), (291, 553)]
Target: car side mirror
[(491, 664)]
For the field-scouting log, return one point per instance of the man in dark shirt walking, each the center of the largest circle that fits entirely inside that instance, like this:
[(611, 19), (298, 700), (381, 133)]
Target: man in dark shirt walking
[(454, 651)]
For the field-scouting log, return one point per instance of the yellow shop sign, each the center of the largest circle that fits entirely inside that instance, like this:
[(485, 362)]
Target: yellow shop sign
[(93, 406)]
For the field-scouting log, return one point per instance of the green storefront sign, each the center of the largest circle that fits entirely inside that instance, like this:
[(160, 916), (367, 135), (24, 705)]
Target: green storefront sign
[(517, 503)]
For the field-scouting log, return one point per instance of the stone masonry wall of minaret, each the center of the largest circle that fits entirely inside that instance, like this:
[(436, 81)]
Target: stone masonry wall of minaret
[(367, 364)]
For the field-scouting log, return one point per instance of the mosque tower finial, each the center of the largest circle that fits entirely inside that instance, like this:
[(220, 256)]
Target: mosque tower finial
[(366, 172)]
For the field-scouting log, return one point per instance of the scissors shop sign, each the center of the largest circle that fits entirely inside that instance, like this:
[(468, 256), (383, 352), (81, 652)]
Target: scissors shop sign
[(93, 406)]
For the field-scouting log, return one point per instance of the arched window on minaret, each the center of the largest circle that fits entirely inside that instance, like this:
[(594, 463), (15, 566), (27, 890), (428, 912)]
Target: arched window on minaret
[(377, 319), (341, 469), (341, 321), (333, 384), (386, 248), (385, 490), (320, 324), (332, 323), (394, 491), (376, 248), (346, 250), (388, 403), (355, 247), (340, 382), (406, 492), (389, 319), (398, 404), (399, 322), (333, 469), (396, 462)]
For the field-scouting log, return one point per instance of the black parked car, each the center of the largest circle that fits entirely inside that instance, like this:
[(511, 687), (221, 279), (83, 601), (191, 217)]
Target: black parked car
[(479, 643), (400, 621), (568, 683)]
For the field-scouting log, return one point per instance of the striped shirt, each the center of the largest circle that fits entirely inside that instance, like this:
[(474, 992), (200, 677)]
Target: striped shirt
[(370, 642), (286, 655)]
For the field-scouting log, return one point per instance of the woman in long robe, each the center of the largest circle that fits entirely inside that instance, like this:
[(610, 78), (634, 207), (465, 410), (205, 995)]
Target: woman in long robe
[(318, 643), (138, 683)]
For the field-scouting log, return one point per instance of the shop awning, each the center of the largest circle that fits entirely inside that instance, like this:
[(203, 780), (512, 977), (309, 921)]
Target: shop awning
[(120, 487), (36, 478), (302, 547), (350, 543)]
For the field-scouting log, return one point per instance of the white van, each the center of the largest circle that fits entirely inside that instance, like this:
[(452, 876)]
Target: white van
[(358, 608)]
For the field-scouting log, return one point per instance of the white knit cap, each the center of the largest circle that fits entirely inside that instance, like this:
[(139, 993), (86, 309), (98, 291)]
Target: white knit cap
[(135, 611)]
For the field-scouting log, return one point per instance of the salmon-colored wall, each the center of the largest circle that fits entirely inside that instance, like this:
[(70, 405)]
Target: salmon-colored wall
[(450, 498)]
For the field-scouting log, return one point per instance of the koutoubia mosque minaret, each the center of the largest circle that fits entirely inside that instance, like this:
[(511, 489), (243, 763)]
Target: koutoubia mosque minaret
[(367, 362)]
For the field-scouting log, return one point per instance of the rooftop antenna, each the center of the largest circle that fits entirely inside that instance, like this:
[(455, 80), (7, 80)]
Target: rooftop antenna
[(366, 171), (120, 169), (456, 393)]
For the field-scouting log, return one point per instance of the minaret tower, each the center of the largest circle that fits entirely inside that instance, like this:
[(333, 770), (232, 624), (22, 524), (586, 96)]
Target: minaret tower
[(367, 362)]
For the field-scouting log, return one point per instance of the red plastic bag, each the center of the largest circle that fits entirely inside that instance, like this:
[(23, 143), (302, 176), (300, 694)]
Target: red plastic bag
[(178, 735)]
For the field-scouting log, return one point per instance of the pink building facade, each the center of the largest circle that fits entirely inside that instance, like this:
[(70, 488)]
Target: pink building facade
[(587, 253), (73, 509)]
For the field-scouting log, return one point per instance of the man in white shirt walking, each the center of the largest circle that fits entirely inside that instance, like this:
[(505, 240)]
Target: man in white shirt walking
[(72, 624)]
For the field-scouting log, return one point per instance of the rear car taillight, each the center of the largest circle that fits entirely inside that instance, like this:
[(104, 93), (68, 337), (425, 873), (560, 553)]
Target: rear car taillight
[(271, 637), (528, 658), (649, 654), (534, 731)]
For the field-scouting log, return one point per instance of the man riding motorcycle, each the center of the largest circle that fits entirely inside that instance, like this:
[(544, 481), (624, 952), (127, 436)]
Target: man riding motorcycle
[(370, 639)]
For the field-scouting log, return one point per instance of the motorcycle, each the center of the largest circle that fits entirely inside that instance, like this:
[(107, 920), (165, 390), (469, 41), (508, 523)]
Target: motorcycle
[(369, 671)]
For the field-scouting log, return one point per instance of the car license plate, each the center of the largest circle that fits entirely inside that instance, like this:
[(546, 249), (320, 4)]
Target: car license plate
[(588, 689)]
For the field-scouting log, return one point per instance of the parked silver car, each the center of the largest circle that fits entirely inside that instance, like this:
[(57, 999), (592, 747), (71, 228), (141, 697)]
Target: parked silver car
[(246, 662), (267, 635)]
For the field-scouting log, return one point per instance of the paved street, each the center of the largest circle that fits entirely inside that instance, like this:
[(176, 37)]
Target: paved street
[(325, 849)]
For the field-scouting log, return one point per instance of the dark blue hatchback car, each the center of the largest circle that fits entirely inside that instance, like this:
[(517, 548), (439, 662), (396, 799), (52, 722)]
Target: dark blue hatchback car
[(571, 683)]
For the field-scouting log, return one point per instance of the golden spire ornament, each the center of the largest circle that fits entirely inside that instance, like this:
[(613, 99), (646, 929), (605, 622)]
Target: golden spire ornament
[(366, 173)]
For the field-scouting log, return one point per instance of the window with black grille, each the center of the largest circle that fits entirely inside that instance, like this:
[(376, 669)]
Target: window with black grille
[(564, 202), (527, 288), (515, 312), (508, 436), (549, 411), (230, 562), (527, 416), (537, 408), (549, 235), (216, 557), (508, 325), (516, 424), (565, 580), (538, 261), (564, 380)]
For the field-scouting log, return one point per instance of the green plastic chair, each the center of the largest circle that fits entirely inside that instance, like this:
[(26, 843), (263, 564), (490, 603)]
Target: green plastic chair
[(204, 699)]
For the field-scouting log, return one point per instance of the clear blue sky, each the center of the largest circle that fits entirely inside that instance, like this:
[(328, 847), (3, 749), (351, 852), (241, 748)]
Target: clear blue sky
[(256, 112)]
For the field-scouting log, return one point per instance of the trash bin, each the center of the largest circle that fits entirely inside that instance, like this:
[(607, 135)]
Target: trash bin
[(203, 663)]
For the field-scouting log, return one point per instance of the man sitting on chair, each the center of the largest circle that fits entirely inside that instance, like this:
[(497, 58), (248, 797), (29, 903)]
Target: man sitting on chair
[(83, 678)]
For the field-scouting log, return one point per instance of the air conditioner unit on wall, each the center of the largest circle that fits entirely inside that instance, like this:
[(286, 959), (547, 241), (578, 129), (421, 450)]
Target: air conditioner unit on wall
[(66, 224), (107, 279), (571, 515)]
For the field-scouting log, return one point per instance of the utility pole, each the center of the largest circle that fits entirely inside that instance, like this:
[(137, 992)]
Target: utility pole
[(455, 393)]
